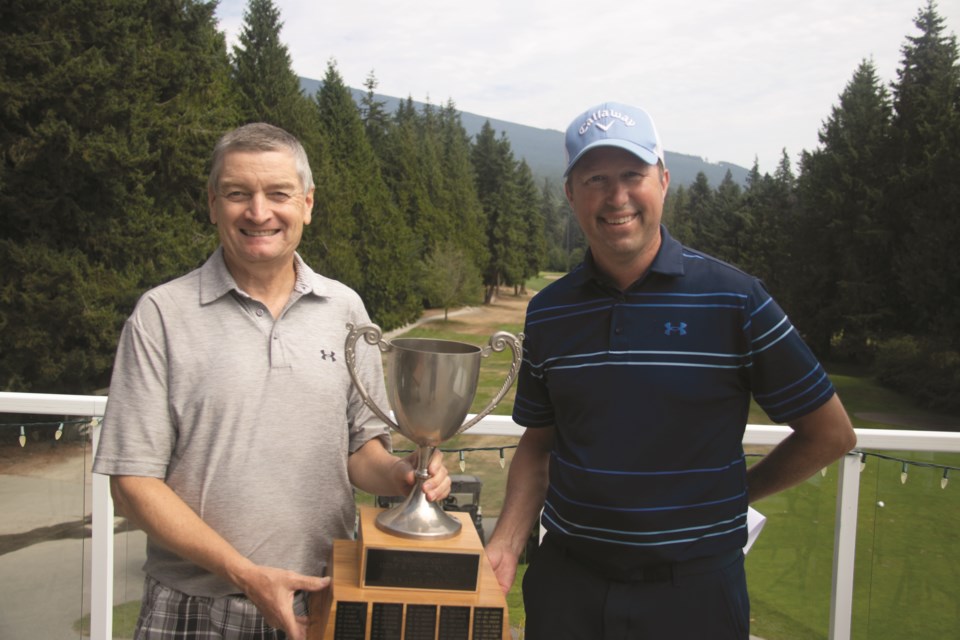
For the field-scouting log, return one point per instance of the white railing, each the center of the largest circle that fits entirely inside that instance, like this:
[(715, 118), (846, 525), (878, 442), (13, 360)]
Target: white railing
[(848, 491)]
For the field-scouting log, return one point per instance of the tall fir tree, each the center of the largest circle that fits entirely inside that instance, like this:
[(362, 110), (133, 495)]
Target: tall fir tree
[(499, 195), (730, 218), (369, 246), (267, 86), (412, 172), (110, 112), (373, 113), (699, 212), (561, 234), (458, 197), (675, 214), (846, 274), (926, 128), (532, 251)]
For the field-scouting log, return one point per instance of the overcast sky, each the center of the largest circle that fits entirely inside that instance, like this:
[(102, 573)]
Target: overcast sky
[(725, 80)]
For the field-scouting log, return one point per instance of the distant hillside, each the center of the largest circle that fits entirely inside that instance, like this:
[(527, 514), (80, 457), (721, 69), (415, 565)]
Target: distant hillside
[(543, 148)]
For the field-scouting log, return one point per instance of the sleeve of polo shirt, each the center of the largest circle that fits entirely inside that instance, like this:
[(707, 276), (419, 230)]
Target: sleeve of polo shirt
[(138, 437), (787, 380), (532, 406)]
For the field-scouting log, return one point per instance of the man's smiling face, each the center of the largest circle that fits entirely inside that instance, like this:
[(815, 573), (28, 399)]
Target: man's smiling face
[(618, 200), (259, 208)]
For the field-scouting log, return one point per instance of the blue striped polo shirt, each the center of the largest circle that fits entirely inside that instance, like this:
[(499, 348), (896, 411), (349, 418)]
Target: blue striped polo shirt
[(649, 391)]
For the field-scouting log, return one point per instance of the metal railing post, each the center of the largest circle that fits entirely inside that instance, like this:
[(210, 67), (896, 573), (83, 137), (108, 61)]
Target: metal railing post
[(101, 553), (844, 547)]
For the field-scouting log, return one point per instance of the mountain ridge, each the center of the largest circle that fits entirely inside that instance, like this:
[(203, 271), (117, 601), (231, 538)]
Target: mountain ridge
[(543, 148)]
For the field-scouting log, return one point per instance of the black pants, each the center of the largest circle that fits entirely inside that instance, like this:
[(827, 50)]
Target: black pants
[(565, 599)]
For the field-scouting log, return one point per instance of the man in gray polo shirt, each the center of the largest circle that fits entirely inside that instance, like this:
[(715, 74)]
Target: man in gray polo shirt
[(233, 435)]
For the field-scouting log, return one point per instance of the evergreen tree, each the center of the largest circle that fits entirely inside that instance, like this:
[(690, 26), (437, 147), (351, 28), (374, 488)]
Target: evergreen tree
[(846, 274), (376, 120), (458, 196), (559, 237), (109, 114), (927, 199), (676, 212), (369, 245), (532, 252), (432, 223), (699, 215), (497, 188), (730, 219), (404, 174), (268, 88)]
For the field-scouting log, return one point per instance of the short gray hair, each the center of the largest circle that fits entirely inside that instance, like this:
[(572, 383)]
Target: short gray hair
[(260, 136)]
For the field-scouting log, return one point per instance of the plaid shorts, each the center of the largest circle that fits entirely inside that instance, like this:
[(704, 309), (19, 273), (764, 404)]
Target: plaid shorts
[(167, 614)]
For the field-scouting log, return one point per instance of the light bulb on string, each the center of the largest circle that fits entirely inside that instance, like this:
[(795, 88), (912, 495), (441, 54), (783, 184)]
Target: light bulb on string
[(945, 479), (59, 433), (903, 474), (463, 463), (863, 462), (503, 460), (23, 436)]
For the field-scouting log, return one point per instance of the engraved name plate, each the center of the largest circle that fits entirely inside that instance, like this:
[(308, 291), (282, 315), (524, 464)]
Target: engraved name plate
[(454, 623), (386, 623), (403, 569), (421, 622), (351, 621), (488, 623)]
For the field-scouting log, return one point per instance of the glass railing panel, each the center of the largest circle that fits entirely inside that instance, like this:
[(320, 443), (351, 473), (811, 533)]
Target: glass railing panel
[(129, 554), (45, 528), (906, 582), (790, 566)]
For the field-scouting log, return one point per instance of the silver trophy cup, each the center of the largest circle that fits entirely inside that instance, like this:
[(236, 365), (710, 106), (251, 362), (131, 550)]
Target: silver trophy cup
[(430, 386)]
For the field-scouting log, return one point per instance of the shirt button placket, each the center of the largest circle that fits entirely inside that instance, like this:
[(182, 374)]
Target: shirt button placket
[(617, 326)]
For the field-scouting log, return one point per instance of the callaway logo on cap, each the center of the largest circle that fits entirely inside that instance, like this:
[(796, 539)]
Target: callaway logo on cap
[(613, 125)]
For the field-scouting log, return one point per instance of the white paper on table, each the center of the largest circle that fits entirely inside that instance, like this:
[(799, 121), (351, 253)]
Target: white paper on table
[(755, 522)]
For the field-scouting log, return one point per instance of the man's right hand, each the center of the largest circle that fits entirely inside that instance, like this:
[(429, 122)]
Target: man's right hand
[(272, 591), (167, 519)]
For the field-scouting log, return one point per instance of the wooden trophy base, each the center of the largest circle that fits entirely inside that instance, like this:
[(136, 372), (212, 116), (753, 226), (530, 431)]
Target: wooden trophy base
[(385, 587)]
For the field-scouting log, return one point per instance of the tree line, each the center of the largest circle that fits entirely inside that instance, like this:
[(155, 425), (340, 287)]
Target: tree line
[(109, 110), (860, 246), (108, 113)]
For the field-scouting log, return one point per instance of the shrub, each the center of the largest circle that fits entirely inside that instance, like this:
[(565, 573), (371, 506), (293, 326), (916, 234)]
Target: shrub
[(926, 369)]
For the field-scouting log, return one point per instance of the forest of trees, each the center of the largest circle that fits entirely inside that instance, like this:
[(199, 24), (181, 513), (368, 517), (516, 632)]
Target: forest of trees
[(109, 110), (860, 244)]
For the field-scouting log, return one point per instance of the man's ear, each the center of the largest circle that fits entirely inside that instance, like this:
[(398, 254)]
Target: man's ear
[(308, 204), (211, 198)]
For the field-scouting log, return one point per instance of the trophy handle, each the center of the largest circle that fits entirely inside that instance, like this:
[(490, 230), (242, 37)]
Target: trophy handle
[(498, 342), (372, 334)]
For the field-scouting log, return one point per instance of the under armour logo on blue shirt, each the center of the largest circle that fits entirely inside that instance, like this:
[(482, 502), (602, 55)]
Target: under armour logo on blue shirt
[(332, 354), (669, 328)]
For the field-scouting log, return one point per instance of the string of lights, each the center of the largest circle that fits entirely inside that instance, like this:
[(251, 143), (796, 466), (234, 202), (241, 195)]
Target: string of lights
[(59, 424), (461, 452), (906, 464)]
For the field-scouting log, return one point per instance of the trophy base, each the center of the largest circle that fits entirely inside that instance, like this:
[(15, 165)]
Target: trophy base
[(385, 587), (418, 518)]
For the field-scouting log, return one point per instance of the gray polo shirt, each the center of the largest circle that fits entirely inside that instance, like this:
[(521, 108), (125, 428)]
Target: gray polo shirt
[(248, 419)]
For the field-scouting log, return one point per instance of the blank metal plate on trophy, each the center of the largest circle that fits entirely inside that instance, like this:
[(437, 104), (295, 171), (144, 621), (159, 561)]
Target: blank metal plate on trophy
[(389, 561), (382, 590)]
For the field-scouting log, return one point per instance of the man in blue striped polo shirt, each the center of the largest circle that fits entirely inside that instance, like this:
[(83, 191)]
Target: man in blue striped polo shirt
[(638, 370)]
